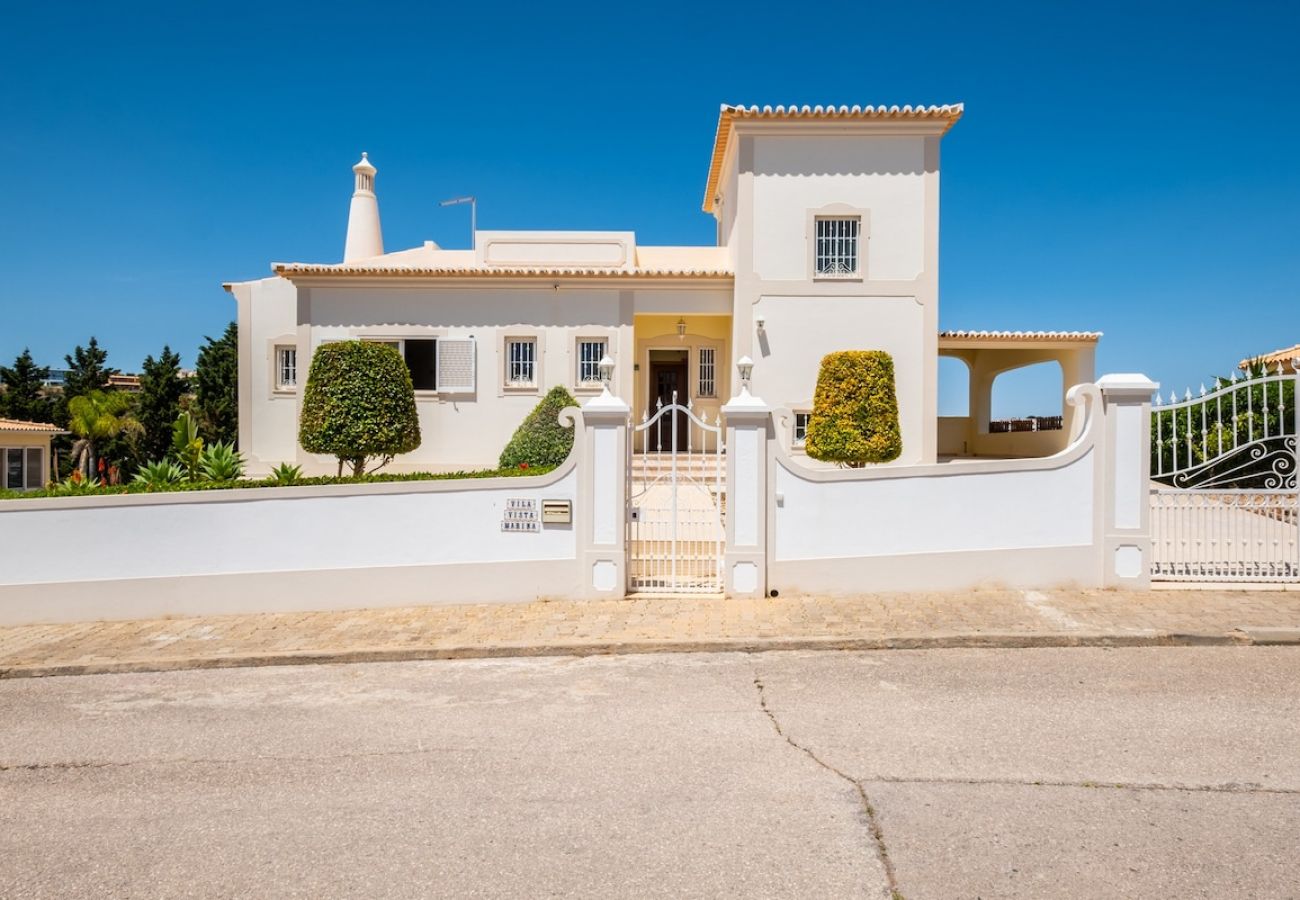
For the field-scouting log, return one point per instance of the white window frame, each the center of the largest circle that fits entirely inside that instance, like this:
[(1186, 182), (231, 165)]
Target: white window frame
[(281, 350), (837, 249), (591, 366), (845, 213), (797, 441), (706, 385), (521, 386), (25, 452)]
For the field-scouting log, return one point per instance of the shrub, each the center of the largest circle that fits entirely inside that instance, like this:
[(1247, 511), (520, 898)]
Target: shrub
[(855, 410), (285, 474), (158, 476), (220, 462), (359, 404), (541, 440)]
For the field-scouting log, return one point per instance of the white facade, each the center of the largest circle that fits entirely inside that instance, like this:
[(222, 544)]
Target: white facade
[(523, 312)]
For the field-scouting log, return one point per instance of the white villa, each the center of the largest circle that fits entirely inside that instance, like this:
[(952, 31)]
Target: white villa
[(827, 239)]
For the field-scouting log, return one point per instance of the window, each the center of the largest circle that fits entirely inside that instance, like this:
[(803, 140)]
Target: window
[(23, 468), (837, 246), (286, 368), (443, 364), (590, 353), (800, 436), (421, 357), (521, 362), (708, 372)]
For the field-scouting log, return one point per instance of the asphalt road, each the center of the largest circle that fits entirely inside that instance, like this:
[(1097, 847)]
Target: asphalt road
[(946, 774)]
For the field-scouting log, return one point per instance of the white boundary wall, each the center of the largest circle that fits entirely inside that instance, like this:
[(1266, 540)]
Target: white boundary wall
[(1063, 520), (309, 548)]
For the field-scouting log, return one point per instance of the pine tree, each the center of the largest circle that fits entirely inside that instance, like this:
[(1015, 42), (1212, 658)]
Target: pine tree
[(159, 402), (86, 370), (217, 387), (22, 397)]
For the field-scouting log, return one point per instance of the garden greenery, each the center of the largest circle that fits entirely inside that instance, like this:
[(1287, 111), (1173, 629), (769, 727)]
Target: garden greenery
[(854, 418), (359, 405), (77, 486), (541, 440)]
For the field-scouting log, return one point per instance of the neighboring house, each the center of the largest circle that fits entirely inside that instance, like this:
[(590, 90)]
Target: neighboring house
[(1286, 358), (827, 239), (25, 454)]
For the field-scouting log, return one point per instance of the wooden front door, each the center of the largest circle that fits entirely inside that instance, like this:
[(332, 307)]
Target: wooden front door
[(667, 379)]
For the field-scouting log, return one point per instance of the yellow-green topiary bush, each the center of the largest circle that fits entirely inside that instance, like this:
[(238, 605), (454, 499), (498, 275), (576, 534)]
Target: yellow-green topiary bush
[(854, 419)]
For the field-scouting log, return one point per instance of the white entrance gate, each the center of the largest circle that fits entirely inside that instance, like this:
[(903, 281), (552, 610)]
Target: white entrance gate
[(676, 502), (1224, 505)]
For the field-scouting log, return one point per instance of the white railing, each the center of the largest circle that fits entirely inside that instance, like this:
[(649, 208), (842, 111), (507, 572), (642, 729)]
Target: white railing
[(676, 502), (1209, 535)]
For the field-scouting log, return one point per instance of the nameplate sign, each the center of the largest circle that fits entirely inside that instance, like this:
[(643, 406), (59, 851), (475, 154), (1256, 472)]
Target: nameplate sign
[(520, 515)]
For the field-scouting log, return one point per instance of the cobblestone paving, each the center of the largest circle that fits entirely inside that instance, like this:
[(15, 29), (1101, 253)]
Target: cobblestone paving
[(643, 623)]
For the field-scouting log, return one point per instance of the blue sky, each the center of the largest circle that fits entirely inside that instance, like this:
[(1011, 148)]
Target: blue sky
[(1129, 168)]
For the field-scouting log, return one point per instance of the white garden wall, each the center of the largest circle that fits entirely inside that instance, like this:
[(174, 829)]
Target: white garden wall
[(1033, 523)]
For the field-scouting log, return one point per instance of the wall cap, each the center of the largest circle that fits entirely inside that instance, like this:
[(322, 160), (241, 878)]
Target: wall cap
[(1127, 384)]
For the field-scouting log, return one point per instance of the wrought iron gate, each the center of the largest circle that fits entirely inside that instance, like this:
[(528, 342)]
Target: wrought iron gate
[(1224, 506), (676, 502)]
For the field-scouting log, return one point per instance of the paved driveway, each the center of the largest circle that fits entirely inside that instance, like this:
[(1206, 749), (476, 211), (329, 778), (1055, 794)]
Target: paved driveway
[(957, 773)]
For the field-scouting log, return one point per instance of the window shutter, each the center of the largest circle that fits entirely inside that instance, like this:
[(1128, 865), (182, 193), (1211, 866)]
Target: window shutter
[(456, 365)]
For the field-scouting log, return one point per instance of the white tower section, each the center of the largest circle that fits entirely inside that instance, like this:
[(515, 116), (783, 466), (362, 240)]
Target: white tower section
[(365, 238)]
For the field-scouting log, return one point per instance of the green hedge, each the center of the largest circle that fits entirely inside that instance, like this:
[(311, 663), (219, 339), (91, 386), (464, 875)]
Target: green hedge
[(374, 478), (855, 410), (541, 440)]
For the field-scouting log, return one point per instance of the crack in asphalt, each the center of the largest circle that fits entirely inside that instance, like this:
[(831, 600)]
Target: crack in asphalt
[(869, 811)]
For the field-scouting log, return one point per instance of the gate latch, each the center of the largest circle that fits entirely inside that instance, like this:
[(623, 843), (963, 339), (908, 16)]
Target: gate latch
[(634, 514)]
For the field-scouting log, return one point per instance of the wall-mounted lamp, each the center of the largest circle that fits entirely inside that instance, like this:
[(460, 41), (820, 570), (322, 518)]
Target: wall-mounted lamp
[(681, 329), (606, 367)]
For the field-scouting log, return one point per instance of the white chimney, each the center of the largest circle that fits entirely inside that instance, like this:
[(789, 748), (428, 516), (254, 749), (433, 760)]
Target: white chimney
[(365, 238)]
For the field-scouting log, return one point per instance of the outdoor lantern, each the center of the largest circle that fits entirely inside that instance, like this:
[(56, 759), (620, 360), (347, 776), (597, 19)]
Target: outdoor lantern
[(745, 366), (606, 367), (681, 329)]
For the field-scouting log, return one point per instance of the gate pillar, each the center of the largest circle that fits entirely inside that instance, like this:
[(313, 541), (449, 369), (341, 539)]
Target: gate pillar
[(1125, 500), (602, 488), (745, 562)]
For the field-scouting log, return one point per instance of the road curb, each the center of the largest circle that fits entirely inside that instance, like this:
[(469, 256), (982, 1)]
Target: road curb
[(946, 641)]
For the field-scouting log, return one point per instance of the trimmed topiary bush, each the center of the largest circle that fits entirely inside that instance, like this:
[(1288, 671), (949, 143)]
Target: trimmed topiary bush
[(854, 419), (541, 440), (359, 405)]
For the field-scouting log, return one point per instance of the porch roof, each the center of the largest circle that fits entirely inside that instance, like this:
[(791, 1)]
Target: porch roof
[(961, 340)]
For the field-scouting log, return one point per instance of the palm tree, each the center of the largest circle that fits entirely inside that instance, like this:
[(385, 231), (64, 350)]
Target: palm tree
[(96, 418)]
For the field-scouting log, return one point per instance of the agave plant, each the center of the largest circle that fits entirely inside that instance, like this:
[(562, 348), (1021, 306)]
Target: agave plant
[(221, 462), (187, 446), (284, 474), (158, 475)]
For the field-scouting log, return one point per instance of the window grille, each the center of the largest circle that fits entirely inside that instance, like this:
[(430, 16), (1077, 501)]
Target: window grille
[(13, 475), (837, 246), (590, 354), (708, 372), (521, 362), (286, 367), (801, 428)]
